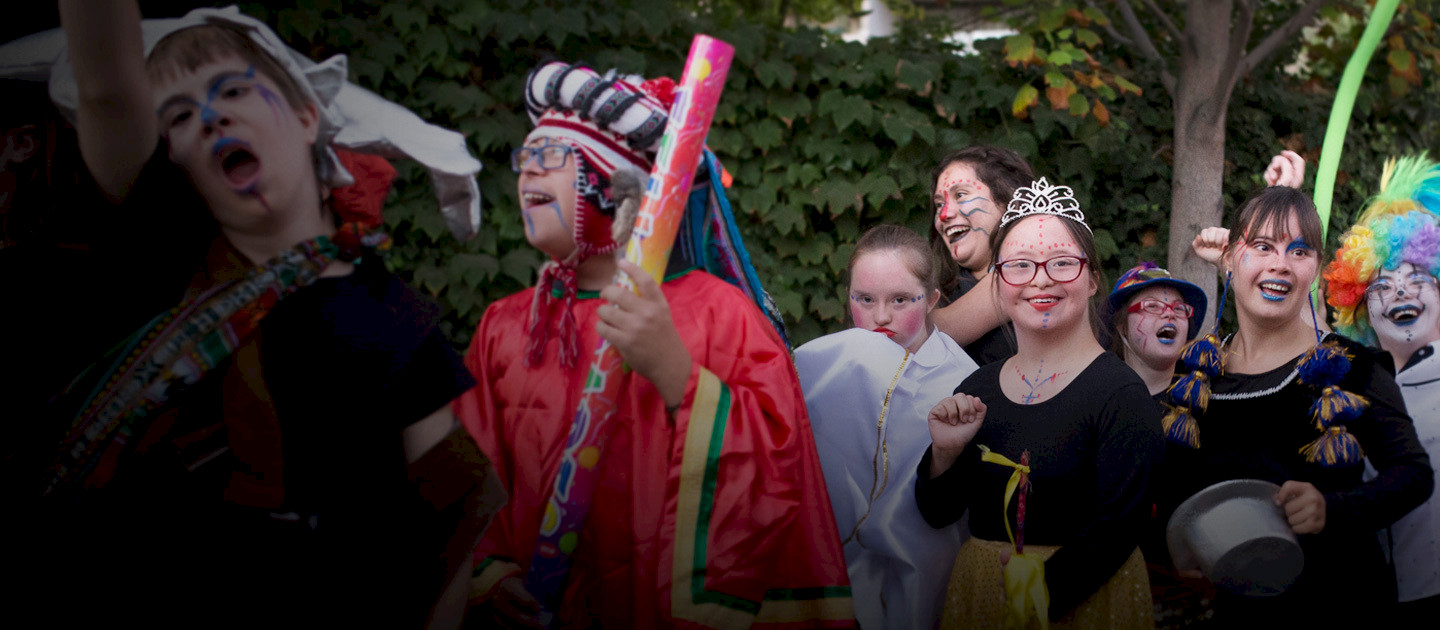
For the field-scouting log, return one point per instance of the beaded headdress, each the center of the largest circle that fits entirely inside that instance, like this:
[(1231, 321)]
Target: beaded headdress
[(1042, 198)]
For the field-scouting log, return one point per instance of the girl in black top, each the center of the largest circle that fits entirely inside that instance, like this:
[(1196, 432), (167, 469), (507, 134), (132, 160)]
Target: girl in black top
[(1258, 424), (1080, 419)]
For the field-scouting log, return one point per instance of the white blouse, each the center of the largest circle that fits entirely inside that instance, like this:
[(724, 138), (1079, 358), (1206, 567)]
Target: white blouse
[(1416, 535), (869, 400)]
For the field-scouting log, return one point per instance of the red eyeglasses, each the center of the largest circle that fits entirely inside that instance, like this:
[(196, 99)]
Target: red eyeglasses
[(1158, 307)]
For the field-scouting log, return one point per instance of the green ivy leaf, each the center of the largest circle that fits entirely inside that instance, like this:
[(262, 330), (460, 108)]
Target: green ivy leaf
[(851, 110), (839, 195), (519, 264), (766, 134), (877, 187), (772, 73), (1079, 105), (815, 249), (1087, 38), (1105, 244)]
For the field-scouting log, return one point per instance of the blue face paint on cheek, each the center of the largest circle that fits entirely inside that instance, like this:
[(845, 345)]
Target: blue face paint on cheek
[(973, 200), (273, 100)]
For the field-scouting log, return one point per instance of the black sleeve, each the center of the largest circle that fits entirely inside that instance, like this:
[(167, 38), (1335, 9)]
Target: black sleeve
[(1387, 435), (1128, 444), (943, 500), (430, 377)]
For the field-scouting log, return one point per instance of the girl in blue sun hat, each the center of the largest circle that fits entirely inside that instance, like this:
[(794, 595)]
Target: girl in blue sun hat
[(1152, 314)]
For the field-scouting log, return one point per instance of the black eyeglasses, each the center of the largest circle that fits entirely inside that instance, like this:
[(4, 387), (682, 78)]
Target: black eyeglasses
[(1019, 271), (550, 156)]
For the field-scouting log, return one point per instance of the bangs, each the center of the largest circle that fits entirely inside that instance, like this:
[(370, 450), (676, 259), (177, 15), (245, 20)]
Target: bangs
[(1268, 214), (186, 50)]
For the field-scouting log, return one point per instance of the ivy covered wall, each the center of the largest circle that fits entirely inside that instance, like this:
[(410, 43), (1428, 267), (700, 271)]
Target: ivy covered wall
[(823, 138)]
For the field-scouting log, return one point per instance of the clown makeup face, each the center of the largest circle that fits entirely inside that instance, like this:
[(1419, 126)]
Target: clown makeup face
[(547, 198), (886, 297), (247, 151), (1272, 272), (1156, 338), (965, 215), (1043, 303), (1404, 307)]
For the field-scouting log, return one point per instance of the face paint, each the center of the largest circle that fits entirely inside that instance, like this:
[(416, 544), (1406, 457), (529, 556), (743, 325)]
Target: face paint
[(1403, 306), (965, 215), (1035, 384), (547, 202), (887, 298), (1271, 272), (244, 149), (1043, 303), (1157, 339)]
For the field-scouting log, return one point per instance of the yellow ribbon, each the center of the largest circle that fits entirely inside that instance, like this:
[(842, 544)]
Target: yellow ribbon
[(1025, 592)]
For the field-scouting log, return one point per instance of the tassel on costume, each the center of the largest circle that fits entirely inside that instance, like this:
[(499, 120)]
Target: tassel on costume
[(1336, 406), (1181, 427), (1324, 365), (540, 308), (1202, 354), (1334, 448), (1192, 390)]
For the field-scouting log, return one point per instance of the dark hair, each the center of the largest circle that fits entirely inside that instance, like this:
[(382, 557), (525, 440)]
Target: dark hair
[(1270, 209), (1001, 170), (1084, 239), (918, 258), (189, 48)]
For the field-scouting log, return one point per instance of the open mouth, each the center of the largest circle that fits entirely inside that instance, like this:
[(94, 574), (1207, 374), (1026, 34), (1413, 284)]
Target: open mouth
[(1274, 290), (240, 166), (1167, 334), (532, 199), (1405, 314), (956, 232)]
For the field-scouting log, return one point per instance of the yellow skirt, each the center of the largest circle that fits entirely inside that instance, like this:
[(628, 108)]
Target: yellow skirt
[(976, 597)]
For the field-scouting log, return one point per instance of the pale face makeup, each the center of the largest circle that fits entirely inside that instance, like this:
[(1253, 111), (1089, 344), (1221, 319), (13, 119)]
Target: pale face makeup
[(247, 151), (547, 202), (965, 216), (1404, 307), (1272, 273), (1042, 304), (1156, 339), (885, 297)]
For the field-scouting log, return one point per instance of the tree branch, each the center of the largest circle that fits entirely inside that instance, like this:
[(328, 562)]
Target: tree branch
[(1279, 36), (1144, 45), (1110, 31), (1164, 20), (1235, 49)]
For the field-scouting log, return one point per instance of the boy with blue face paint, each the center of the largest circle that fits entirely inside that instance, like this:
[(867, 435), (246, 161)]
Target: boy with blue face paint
[(282, 439)]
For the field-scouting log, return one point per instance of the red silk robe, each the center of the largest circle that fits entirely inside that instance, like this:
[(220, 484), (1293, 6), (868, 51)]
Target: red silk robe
[(718, 517)]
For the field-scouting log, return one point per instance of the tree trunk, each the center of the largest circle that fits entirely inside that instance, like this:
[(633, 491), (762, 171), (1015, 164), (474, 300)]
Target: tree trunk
[(1207, 73)]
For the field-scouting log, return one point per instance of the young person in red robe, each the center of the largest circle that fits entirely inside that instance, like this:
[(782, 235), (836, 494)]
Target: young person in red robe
[(710, 507)]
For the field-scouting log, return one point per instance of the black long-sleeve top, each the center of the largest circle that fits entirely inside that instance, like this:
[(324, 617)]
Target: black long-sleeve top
[(1092, 447), (1254, 428)]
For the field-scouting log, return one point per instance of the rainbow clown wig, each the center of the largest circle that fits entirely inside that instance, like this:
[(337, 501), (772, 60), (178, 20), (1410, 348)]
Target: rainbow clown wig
[(1398, 226)]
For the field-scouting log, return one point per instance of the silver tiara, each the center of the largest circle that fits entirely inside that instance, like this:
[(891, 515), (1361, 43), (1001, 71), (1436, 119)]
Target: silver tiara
[(1042, 198)]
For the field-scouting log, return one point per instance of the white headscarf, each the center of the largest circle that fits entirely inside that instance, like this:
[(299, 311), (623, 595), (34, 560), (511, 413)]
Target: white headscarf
[(350, 116)]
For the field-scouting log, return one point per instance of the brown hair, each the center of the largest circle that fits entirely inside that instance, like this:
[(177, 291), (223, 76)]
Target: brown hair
[(1084, 239), (1001, 170), (1268, 211), (187, 49), (918, 258)]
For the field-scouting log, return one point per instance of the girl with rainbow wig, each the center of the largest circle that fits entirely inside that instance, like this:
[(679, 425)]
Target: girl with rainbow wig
[(1383, 286)]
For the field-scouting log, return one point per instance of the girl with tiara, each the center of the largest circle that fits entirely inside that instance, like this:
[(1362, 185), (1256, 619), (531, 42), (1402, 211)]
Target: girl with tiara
[(1281, 401), (868, 394), (1049, 450)]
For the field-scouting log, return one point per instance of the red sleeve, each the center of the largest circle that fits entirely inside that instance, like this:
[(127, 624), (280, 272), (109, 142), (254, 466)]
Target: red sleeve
[(750, 536), (498, 554)]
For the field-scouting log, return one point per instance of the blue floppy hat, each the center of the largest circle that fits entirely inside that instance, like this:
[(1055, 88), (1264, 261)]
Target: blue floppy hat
[(1148, 274)]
